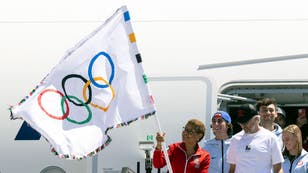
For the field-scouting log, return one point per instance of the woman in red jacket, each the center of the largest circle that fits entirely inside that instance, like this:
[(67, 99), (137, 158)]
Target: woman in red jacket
[(186, 156)]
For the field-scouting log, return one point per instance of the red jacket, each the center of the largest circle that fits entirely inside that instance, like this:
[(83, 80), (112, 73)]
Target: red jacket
[(199, 162)]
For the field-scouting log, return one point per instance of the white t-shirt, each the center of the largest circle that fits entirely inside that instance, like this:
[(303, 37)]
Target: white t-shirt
[(254, 153)]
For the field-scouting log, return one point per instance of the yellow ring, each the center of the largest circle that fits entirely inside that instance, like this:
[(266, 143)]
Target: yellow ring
[(84, 92)]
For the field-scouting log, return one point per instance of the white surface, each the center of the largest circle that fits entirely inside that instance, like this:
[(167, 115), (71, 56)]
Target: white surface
[(174, 37)]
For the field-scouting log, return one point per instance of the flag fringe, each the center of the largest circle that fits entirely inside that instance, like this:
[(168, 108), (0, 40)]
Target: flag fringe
[(93, 153)]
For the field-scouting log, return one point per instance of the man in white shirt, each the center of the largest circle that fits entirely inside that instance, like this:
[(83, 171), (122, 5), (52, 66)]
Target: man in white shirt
[(267, 109), (254, 149)]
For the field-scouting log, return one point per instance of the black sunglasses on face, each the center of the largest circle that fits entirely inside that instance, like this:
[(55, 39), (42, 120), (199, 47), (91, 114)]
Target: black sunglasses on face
[(188, 131)]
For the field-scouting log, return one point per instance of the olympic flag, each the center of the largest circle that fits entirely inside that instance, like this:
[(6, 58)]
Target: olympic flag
[(98, 85)]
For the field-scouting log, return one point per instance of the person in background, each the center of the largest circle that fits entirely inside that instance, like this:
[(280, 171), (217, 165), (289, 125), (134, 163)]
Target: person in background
[(304, 130), (301, 122), (281, 118), (267, 109), (218, 146), (254, 149), (301, 117), (186, 156), (296, 158)]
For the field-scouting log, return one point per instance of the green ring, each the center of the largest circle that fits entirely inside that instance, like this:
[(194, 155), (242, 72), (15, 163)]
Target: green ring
[(83, 104)]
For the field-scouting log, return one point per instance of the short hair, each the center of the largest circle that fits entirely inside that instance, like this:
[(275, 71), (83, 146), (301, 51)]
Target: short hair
[(266, 102), (198, 126), (295, 130)]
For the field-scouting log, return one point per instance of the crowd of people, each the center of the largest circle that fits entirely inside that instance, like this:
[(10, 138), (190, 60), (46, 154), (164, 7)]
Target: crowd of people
[(266, 143)]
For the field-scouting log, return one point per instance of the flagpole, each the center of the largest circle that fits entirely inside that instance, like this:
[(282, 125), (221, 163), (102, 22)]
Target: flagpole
[(164, 146), (95, 164)]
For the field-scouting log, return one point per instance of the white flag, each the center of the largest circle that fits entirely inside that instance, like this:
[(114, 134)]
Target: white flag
[(98, 85)]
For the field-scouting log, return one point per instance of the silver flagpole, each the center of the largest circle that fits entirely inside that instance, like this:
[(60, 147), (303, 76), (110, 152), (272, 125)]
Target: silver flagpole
[(164, 146)]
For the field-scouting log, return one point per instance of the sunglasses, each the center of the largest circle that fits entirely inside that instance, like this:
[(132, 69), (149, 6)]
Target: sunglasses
[(188, 131)]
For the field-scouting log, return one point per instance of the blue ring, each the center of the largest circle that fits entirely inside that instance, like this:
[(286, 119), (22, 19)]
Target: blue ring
[(91, 66)]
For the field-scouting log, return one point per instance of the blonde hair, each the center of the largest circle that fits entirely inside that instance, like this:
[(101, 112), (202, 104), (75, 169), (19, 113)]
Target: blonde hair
[(295, 130)]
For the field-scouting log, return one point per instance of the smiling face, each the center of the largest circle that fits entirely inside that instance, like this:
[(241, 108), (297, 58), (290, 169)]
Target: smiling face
[(190, 135), (268, 113), (219, 127), (193, 132)]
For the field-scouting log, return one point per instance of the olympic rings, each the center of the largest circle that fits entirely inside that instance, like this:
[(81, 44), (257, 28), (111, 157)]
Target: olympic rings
[(84, 104), (65, 115), (91, 66), (76, 101), (84, 80), (95, 105)]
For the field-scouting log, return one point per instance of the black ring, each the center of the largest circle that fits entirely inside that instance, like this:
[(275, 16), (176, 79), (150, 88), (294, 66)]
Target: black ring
[(84, 80)]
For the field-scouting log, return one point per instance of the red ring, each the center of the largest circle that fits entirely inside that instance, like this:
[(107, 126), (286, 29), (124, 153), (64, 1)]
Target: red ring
[(53, 116)]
